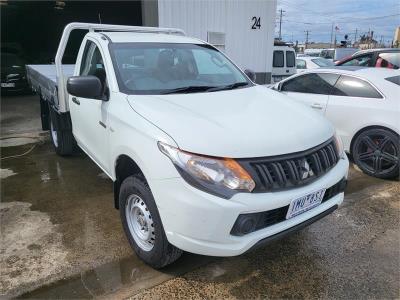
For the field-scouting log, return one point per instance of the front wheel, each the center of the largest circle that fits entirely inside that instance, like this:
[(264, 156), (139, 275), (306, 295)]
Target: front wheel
[(376, 152), (142, 224)]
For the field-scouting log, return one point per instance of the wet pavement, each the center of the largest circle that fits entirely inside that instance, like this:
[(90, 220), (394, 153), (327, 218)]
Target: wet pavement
[(60, 237), (19, 114), (350, 254)]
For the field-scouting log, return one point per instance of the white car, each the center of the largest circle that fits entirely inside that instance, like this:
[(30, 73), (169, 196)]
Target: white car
[(309, 62), (364, 106), (202, 159)]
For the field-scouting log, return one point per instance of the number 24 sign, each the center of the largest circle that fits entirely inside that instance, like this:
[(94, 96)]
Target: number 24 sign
[(256, 23)]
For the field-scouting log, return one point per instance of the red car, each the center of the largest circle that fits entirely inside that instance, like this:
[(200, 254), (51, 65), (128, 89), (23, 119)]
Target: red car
[(377, 58)]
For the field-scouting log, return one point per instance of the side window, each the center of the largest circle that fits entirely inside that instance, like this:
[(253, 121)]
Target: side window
[(92, 64), (329, 54), (85, 62), (278, 59), (290, 59), (313, 83), (362, 61), (301, 64), (354, 87)]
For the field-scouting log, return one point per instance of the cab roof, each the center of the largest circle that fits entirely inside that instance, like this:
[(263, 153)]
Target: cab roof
[(139, 37)]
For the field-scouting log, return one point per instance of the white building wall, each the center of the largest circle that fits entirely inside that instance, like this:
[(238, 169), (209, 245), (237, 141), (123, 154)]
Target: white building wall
[(249, 48)]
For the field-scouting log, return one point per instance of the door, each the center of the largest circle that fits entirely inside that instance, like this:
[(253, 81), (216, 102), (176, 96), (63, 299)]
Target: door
[(290, 62), (312, 89), (353, 101), (278, 64), (89, 116)]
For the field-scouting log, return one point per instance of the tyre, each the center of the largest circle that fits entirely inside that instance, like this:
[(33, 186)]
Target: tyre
[(44, 113), (63, 141), (142, 224), (377, 153)]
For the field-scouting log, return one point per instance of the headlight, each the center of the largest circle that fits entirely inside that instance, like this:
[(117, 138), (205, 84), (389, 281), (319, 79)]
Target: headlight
[(223, 177), (339, 145)]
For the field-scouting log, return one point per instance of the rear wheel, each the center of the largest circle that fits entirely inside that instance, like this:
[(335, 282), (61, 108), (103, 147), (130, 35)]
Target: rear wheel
[(63, 141), (142, 224), (376, 152)]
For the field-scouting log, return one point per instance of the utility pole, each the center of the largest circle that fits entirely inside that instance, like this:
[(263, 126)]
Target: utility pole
[(331, 35), (355, 37), (307, 33), (280, 24)]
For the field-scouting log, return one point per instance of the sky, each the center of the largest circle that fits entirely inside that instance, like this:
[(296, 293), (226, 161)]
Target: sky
[(316, 16)]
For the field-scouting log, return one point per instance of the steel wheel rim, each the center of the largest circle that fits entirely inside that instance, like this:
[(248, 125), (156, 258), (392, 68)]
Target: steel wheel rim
[(53, 134), (377, 153), (140, 222)]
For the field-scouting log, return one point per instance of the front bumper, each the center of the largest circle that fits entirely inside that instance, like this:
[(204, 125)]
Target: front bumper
[(199, 222)]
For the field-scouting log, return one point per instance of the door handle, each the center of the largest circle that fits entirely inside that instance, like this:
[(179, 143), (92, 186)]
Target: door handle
[(317, 106), (76, 101)]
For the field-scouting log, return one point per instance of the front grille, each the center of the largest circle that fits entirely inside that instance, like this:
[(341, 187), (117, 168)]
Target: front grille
[(274, 216), (291, 170)]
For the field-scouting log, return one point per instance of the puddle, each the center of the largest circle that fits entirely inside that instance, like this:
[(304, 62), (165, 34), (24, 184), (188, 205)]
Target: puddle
[(123, 278), (18, 141), (4, 173)]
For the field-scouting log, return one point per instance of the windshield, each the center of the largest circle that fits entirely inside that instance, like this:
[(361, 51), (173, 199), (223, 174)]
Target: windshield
[(322, 62), (327, 54), (164, 68)]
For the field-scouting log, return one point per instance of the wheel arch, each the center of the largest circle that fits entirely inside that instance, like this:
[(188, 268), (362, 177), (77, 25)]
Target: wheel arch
[(124, 167)]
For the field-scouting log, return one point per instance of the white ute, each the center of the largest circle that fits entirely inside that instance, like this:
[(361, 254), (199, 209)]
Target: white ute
[(202, 159)]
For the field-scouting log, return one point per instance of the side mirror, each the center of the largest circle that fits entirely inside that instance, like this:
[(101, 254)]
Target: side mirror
[(85, 87), (251, 74)]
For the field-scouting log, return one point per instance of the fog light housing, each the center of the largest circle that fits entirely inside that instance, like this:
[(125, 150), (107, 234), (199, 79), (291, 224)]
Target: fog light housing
[(245, 224)]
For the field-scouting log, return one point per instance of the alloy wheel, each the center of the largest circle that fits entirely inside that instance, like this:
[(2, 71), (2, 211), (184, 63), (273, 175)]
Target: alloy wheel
[(377, 152)]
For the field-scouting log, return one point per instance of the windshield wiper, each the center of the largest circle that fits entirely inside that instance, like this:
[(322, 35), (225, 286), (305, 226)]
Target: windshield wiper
[(189, 89), (228, 87)]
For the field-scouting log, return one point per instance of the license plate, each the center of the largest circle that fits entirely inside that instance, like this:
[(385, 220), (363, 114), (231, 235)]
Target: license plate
[(6, 85), (302, 204)]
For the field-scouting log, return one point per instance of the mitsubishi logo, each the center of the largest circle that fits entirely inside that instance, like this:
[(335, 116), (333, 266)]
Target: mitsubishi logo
[(305, 171)]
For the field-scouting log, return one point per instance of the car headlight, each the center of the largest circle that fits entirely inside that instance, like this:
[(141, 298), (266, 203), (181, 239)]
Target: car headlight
[(223, 177), (339, 145)]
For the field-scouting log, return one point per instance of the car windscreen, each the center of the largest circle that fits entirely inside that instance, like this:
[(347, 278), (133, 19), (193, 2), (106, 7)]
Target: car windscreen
[(164, 68), (322, 62)]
